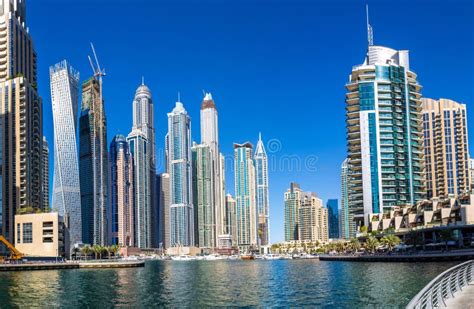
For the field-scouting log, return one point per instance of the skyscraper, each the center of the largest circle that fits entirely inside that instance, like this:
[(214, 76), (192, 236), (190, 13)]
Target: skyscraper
[(204, 217), (293, 197), (333, 218), (66, 186), (180, 170), (312, 219), (121, 193), (45, 174), (246, 207), (210, 137), (231, 218), (262, 198), (143, 120), (384, 134), (345, 219), (446, 147), (138, 144), (21, 131), (93, 163), (163, 196)]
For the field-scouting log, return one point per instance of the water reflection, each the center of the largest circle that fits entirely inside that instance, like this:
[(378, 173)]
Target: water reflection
[(220, 283)]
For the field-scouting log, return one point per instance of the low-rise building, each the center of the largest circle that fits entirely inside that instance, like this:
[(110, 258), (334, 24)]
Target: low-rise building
[(40, 235)]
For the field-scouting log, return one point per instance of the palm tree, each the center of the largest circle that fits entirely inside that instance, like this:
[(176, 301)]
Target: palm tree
[(354, 244), (86, 250), (115, 249), (371, 244), (97, 251), (390, 241)]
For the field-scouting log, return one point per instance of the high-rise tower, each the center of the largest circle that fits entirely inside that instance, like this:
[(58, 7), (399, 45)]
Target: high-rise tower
[(246, 207), (45, 174), (21, 131), (180, 170), (121, 193), (210, 137), (446, 147), (93, 164), (66, 186), (384, 134), (262, 198)]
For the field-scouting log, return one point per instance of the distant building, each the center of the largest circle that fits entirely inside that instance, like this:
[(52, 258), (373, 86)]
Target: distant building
[(93, 164), (45, 174), (203, 195), (180, 170), (245, 197), (66, 198), (41, 235), (312, 219), (347, 224), (262, 197), (163, 196), (121, 193), (138, 144), (471, 173), (293, 197), (446, 147), (333, 218), (210, 137), (231, 218)]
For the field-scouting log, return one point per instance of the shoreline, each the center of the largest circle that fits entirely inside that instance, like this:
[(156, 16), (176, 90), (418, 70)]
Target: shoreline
[(430, 257), (85, 265)]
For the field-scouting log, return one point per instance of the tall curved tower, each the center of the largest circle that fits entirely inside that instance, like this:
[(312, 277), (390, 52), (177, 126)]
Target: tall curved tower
[(66, 186)]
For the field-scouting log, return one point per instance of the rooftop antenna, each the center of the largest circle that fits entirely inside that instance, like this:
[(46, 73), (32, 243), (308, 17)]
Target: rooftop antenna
[(370, 32), (143, 80), (179, 96)]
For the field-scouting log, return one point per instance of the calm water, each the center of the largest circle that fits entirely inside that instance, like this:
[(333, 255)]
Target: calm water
[(219, 283)]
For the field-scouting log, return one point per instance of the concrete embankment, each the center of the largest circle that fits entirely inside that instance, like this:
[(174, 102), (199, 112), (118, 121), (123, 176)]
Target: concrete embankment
[(50, 266), (429, 257)]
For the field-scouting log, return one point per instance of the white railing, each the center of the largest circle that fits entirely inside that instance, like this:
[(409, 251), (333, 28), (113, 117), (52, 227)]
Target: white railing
[(435, 294)]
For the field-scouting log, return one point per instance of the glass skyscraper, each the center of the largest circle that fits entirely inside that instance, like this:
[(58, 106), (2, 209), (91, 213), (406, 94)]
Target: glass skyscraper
[(93, 164), (384, 134), (180, 170), (333, 218), (246, 208), (262, 198), (66, 186)]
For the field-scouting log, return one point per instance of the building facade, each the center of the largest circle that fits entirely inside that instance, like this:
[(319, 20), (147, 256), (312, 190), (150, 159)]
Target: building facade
[(21, 113), (66, 186), (293, 198), (384, 134), (138, 144), (210, 137), (246, 207), (180, 170), (333, 218), (312, 219), (347, 225), (163, 196), (122, 216), (93, 164), (45, 174), (262, 198), (204, 212), (143, 121), (446, 147), (231, 218)]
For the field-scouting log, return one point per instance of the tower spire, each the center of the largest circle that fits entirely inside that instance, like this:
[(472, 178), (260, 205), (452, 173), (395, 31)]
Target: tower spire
[(370, 32), (143, 80)]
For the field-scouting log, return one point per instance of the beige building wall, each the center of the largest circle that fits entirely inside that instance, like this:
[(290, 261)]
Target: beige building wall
[(312, 219), (40, 234), (446, 147)]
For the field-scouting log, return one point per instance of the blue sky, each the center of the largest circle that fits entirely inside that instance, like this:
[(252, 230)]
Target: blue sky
[(276, 67)]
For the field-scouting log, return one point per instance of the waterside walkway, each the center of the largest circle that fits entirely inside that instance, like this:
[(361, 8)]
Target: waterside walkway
[(70, 265), (462, 299), (419, 257)]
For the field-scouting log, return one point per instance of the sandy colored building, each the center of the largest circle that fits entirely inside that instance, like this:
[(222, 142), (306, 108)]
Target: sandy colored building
[(40, 235), (446, 147)]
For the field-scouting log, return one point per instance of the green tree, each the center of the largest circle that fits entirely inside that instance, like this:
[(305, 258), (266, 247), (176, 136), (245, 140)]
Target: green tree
[(364, 229), (354, 244), (390, 241), (371, 244), (86, 250)]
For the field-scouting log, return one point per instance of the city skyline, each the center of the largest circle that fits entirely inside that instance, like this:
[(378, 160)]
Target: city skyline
[(325, 180)]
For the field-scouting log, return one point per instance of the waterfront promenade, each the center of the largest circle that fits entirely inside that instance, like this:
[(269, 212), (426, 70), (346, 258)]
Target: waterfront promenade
[(416, 257), (70, 265), (462, 299)]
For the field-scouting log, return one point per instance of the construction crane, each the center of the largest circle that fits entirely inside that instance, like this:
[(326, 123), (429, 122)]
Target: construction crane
[(15, 254)]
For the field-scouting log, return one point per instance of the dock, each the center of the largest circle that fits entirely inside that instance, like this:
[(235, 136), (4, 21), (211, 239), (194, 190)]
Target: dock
[(70, 265)]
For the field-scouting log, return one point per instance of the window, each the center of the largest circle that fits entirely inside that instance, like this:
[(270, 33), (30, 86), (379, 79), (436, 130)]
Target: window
[(18, 233), (27, 233)]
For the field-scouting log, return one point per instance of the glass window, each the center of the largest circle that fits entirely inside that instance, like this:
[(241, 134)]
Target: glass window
[(27, 233)]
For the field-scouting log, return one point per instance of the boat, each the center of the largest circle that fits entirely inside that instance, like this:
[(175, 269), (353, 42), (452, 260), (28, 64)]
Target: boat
[(213, 257), (270, 257), (305, 256), (247, 257), (183, 258)]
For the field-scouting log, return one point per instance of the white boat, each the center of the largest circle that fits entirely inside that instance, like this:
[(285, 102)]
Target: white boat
[(305, 256), (270, 257), (213, 257), (183, 258)]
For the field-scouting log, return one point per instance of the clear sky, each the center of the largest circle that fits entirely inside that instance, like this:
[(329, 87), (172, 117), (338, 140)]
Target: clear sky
[(276, 67)]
